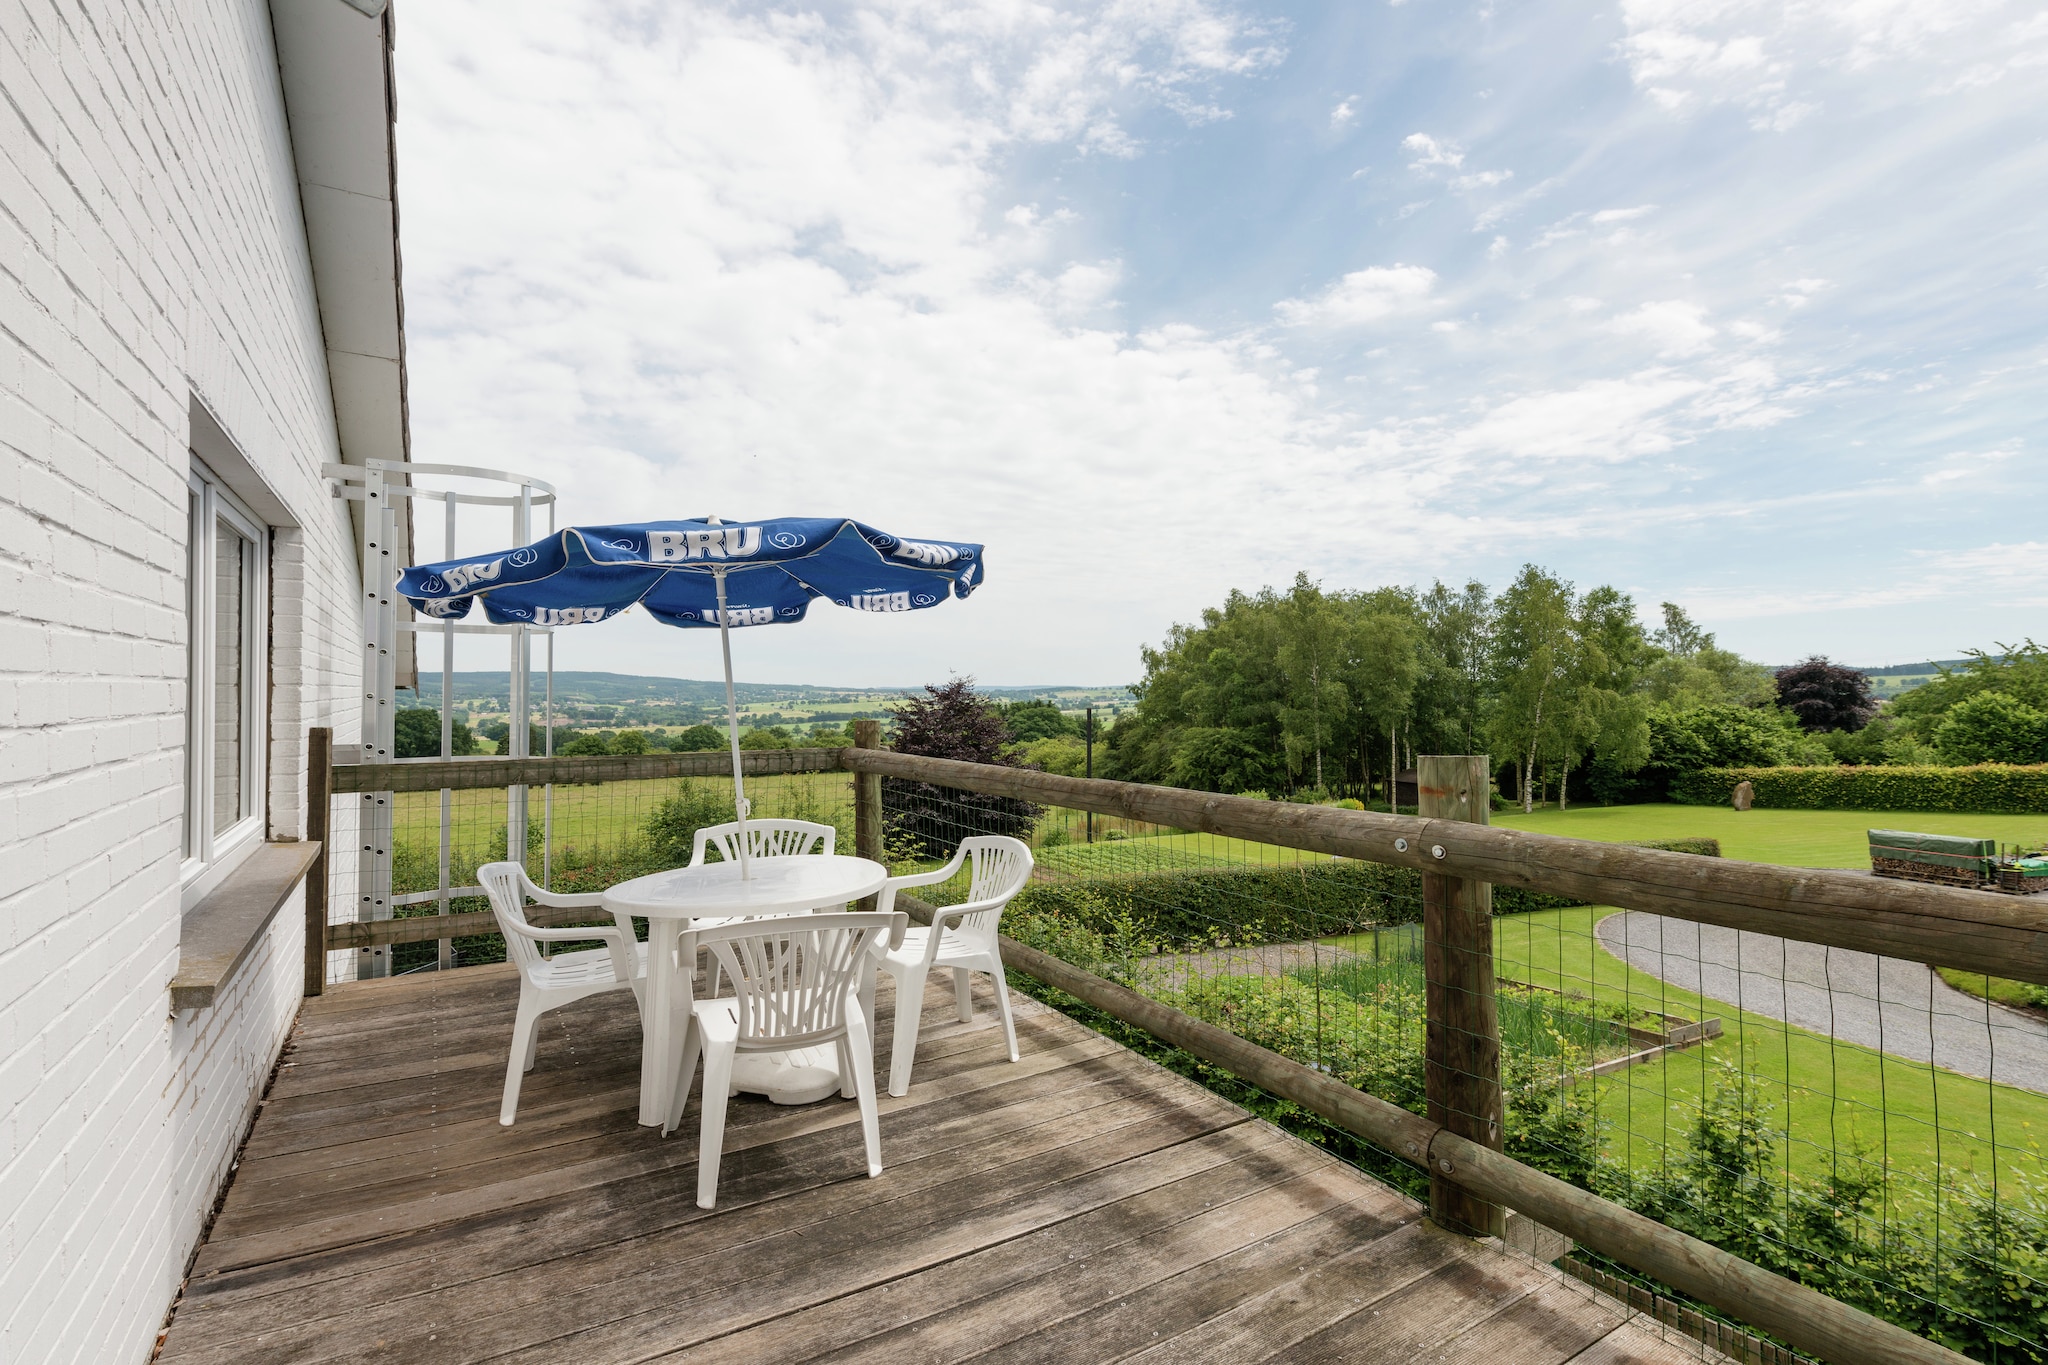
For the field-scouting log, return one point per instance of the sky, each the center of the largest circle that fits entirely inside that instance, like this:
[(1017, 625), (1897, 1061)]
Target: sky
[(1741, 304)]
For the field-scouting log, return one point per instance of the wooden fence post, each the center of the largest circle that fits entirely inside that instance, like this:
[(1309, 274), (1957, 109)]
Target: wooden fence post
[(1461, 1068), (319, 788), (867, 801)]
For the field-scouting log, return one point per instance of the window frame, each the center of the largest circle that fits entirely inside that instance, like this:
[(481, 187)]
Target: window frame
[(208, 856)]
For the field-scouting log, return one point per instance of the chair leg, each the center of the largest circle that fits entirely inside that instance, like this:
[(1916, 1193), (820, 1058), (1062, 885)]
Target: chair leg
[(711, 1139), (692, 1040), (995, 971), (519, 1060), (847, 1090), (860, 1044), (532, 1043), (903, 1048), (963, 993)]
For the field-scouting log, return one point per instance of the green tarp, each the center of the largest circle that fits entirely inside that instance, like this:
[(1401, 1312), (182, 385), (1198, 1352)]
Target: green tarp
[(1935, 850)]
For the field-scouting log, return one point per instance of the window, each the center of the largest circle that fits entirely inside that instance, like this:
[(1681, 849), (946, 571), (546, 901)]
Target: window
[(226, 608)]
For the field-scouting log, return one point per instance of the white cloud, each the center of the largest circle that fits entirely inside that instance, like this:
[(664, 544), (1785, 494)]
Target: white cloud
[(1771, 57), (1608, 419), (1345, 114), (1480, 180), (1429, 153), (1605, 216), (1370, 295), (1672, 326)]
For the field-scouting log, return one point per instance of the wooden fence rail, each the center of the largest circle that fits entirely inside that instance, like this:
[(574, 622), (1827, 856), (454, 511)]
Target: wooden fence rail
[(1461, 857)]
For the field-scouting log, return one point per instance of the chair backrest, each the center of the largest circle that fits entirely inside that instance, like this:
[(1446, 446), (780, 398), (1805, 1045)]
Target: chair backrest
[(506, 884), (793, 974), (999, 867), (765, 839)]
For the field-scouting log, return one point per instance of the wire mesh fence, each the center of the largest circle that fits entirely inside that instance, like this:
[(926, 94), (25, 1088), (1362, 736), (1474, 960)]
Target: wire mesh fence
[(1851, 1122), (1854, 1123), (578, 837)]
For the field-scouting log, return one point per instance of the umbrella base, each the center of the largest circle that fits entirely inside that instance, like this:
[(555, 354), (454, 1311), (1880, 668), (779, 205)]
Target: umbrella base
[(801, 1077)]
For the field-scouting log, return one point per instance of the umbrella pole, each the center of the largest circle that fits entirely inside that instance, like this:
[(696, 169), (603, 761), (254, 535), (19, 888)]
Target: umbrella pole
[(732, 726)]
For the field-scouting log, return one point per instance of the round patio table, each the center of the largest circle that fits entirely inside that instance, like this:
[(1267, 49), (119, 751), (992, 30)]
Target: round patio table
[(672, 902)]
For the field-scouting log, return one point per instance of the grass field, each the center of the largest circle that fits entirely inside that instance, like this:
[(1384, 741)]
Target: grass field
[(1790, 838), (1831, 1097)]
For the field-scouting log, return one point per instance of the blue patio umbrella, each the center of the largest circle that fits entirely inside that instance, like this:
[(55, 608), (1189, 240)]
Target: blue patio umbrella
[(699, 574)]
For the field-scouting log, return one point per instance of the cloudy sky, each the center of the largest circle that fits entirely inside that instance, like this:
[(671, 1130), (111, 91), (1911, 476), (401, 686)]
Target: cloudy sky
[(1737, 303)]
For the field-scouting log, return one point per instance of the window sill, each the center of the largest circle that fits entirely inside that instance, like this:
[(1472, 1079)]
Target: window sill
[(219, 930)]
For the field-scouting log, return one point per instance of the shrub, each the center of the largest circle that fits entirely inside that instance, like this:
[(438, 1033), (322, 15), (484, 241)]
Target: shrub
[(417, 734), (1988, 788), (1826, 696), (1993, 727), (953, 722), (697, 739), (672, 826)]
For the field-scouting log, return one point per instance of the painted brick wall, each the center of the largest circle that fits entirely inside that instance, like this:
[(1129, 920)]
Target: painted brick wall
[(151, 251)]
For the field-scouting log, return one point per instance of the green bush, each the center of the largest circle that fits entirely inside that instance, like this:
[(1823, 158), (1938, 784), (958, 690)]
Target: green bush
[(1990, 788), (1993, 727)]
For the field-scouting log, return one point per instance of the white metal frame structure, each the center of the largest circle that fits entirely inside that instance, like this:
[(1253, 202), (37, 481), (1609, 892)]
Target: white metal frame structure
[(379, 485)]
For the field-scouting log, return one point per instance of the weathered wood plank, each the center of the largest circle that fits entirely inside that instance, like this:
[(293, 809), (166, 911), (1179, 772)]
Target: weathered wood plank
[(994, 1296)]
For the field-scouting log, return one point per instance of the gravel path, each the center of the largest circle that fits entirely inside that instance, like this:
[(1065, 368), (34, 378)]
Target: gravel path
[(1880, 1002)]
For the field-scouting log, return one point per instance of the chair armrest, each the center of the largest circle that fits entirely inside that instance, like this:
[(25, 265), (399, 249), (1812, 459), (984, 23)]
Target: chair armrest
[(946, 873), (581, 900), (572, 934)]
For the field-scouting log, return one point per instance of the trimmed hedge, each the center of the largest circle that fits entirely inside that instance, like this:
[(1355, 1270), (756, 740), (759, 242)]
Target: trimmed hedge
[(1200, 908), (1987, 788)]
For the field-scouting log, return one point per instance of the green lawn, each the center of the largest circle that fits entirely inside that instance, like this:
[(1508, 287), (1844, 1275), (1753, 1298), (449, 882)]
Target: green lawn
[(1791, 838), (1831, 1097)]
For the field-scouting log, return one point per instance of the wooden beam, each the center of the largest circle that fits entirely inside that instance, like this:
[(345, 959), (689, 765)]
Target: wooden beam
[(1976, 931), (867, 801), (319, 775), (468, 774), (423, 928), (1461, 1049)]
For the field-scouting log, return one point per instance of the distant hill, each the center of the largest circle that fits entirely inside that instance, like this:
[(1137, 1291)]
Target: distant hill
[(643, 696)]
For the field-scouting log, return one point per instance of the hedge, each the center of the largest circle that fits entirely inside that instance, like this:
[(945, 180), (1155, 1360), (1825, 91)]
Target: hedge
[(1175, 911), (1987, 788)]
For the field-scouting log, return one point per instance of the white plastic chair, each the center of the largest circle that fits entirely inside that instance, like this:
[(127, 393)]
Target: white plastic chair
[(547, 983), (796, 981), (962, 937), (765, 839)]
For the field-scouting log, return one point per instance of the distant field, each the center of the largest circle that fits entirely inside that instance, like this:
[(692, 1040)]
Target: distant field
[(1791, 838)]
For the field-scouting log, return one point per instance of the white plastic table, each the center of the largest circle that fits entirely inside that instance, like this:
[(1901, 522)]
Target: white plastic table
[(672, 902)]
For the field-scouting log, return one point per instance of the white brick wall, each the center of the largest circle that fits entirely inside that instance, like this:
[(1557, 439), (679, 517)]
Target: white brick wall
[(151, 250)]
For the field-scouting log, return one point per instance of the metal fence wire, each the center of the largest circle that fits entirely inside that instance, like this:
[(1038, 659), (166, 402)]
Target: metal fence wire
[(1848, 1121), (1851, 1122)]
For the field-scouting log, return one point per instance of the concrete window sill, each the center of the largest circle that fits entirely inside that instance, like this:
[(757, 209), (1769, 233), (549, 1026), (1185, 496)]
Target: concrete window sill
[(219, 931)]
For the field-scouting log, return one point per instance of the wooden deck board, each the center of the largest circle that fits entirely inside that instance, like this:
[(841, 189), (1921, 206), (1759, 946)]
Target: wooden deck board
[(1078, 1205)]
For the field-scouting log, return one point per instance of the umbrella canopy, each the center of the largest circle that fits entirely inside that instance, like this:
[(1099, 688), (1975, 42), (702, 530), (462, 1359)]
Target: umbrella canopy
[(701, 573), (771, 570)]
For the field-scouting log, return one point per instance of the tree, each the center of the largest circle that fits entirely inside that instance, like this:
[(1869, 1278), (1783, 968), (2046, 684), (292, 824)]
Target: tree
[(1688, 669), (2020, 671), (1450, 692), (416, 733), (1993, 727), (1315, 704), (1600, 707), (954, 722), (1383, 666), (772, 737), (1532, 652), (697, 739), (1826, 696), (631, 742), (1035, 719)]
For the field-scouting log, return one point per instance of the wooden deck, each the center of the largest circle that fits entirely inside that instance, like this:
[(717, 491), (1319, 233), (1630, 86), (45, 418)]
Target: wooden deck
[(1081, 1205)]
